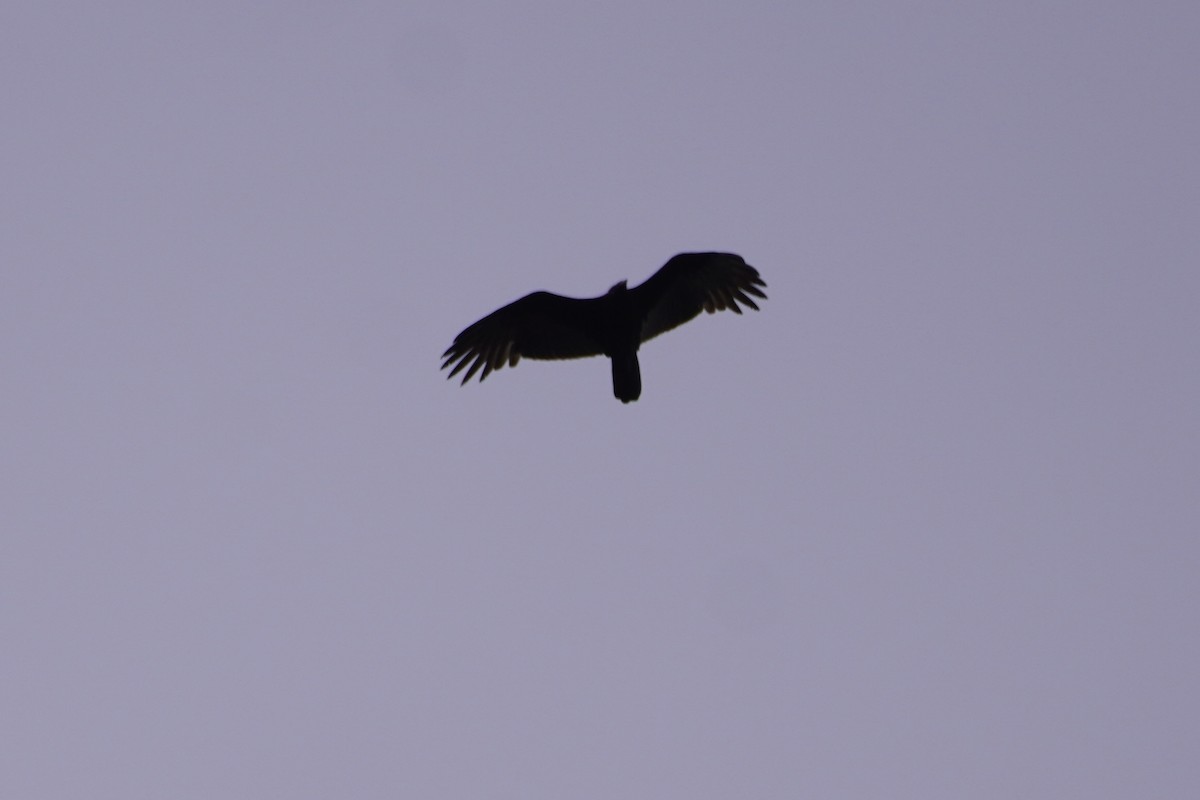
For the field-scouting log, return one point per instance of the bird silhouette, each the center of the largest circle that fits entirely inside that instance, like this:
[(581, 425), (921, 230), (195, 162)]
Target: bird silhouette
[(543, 325)]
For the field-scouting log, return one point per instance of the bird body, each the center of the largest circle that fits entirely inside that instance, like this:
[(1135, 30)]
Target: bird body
[(543, 325), (624, 337)]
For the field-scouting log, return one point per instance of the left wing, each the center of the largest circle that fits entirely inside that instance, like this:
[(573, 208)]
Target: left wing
[(693, 282)]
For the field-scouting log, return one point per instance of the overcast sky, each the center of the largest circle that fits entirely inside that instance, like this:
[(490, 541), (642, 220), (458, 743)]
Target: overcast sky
[(925, 527)]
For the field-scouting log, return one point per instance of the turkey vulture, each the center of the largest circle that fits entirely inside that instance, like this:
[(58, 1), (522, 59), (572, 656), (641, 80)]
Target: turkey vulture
[(549, 326)]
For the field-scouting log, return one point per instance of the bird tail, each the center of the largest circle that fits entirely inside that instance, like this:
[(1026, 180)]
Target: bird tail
[(627, 377)]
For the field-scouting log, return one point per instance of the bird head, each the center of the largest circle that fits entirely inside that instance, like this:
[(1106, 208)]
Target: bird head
[(618, 287)]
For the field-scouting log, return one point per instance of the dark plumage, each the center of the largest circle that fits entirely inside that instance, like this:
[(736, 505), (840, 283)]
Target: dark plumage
[(548, 326)]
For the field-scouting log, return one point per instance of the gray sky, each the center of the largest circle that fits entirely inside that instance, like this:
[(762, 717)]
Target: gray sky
[(924, 527)]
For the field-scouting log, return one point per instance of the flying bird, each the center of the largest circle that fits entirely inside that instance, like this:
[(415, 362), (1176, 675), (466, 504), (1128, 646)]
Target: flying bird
[(543, 325)]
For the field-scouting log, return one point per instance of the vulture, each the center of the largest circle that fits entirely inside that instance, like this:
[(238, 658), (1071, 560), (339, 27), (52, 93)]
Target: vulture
[(543, 325)]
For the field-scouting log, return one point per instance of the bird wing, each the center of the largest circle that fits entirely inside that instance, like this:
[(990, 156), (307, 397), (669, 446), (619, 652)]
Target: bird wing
[(693, 282), (539, 325)]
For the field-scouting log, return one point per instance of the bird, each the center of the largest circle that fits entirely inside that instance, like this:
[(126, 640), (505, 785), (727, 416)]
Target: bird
[(543, 325)]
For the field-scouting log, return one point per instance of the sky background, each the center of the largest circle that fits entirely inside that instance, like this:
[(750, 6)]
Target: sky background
[(925, 527)]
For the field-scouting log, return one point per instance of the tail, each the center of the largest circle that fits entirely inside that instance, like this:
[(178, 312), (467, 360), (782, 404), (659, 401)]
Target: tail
[(627, 377)]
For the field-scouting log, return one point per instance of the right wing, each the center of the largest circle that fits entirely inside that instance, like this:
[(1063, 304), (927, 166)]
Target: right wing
[(539, 325)]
